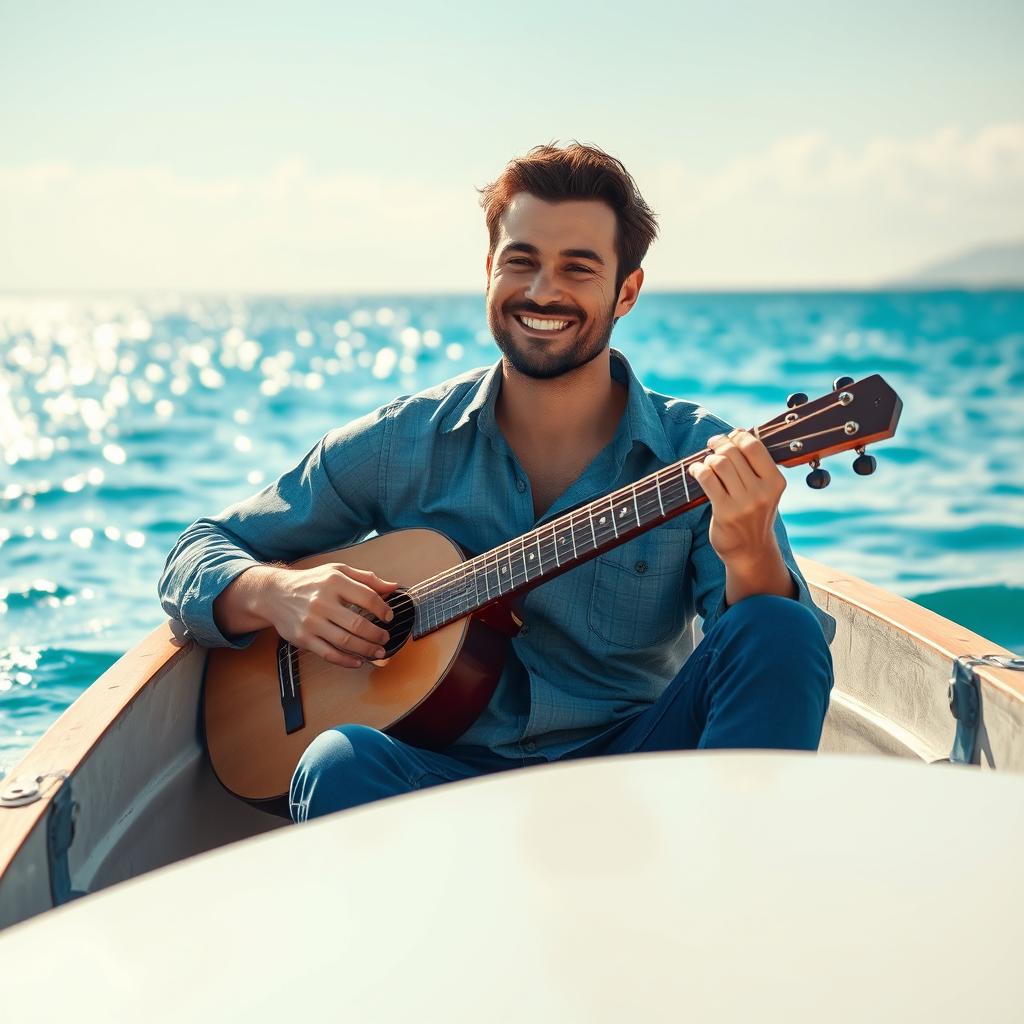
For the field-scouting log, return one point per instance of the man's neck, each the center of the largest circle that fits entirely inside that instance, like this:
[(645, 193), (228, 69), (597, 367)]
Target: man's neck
[(564, 415)]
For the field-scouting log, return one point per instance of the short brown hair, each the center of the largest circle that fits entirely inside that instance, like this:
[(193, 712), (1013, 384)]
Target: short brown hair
[(577, 172)]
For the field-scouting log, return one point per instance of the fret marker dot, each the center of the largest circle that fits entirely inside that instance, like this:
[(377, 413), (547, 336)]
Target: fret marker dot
[(531, 556), (602, 519), (623, 512), (504, 568)]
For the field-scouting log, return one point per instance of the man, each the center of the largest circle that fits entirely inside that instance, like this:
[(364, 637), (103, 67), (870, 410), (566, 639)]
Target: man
[(599, 665)]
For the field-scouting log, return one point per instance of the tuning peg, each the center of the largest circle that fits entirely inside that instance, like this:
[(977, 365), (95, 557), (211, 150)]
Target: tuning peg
[(864, 465), (818, 477), (795, 399), (841, 382)]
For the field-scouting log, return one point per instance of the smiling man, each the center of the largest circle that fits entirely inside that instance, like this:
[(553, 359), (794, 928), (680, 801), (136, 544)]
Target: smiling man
[(603, 664)]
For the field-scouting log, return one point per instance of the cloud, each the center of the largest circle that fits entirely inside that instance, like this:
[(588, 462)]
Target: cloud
[(288, 229), (807, 210), (804, 210)]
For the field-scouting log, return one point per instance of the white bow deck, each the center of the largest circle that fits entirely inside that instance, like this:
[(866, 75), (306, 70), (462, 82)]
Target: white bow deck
[(725, 886)]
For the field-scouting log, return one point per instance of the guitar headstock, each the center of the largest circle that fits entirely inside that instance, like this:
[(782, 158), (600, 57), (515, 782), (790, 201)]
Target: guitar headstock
[(851, 416)]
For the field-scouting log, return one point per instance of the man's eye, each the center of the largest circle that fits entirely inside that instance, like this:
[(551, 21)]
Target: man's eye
[(519, 260), (576, 268)]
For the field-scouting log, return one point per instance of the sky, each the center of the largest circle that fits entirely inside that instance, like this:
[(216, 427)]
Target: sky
[(336, 147)]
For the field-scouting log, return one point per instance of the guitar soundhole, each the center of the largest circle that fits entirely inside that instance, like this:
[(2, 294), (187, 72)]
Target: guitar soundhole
[(400, 627)]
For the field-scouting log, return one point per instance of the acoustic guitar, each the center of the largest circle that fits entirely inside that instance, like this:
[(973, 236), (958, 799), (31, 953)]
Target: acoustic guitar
[(262, 706)]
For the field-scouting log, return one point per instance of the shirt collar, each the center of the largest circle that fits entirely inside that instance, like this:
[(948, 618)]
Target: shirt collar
[(641, 421), (477, 402)]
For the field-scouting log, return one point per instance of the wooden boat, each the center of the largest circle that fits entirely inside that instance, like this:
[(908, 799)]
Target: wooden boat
[(124, 787)]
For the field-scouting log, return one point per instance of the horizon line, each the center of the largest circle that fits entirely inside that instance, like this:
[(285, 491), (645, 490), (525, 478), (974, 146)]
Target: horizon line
[(723, 289)]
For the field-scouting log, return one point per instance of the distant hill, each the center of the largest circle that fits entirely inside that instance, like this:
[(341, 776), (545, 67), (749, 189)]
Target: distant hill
[(987, 266)]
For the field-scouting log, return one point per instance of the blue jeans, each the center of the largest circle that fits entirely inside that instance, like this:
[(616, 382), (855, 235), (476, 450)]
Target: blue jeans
[(760, 678)]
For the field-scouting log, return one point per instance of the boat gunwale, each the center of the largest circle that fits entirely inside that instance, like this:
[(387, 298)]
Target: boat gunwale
[(928, 628), (78, 730)]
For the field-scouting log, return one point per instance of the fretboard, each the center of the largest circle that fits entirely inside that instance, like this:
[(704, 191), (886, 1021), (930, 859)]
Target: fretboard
[(555, 547)]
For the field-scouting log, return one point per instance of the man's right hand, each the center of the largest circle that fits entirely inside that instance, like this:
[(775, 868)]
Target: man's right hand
[(322, 610)]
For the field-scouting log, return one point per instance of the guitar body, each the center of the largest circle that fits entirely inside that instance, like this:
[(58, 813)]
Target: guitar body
[(428, 693)]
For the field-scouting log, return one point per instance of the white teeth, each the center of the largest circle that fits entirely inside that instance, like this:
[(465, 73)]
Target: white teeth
[(544, 325)]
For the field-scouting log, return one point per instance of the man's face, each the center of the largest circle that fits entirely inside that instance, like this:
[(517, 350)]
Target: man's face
[(551, 297)]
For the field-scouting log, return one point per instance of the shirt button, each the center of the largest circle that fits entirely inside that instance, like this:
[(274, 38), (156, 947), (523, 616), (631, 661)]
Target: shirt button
[(529, 746), (525, 629), (520, 486), (641, 566)]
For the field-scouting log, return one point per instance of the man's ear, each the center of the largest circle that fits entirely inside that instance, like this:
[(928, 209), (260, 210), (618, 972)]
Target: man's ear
[(629, 292), (490, 263)]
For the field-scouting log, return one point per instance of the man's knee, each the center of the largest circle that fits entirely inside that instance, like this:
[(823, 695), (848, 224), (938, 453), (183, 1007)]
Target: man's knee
[(342, 768), (779, 620), (776, 638), (771, 673), (345, 745)]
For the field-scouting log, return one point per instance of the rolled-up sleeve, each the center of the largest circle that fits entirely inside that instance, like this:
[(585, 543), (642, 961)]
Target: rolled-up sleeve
[(330, 499)]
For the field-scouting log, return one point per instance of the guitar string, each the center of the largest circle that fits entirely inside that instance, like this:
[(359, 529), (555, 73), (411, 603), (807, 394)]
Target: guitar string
[(547, 534), (325, 668), (461, 587), (321, 670), (425, 587)]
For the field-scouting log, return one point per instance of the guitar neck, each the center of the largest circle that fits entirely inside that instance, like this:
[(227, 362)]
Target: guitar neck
[(557, 546), (851, 416)]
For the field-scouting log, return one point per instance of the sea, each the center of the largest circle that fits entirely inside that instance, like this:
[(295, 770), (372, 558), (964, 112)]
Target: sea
[(125, 418)]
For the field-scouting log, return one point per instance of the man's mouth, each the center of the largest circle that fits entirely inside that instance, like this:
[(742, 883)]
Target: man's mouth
[(543, 324)]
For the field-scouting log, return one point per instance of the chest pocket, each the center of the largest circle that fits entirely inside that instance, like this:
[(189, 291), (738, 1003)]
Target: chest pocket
[(637, 599)]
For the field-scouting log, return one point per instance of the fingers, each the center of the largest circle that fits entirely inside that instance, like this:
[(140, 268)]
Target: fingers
[(730, 462), (709, 482), (352, 620), (742, 466), (365, 591), (735, 477), (370, 578), (757, 455), (324, 650), (346, 641), (725, 469)]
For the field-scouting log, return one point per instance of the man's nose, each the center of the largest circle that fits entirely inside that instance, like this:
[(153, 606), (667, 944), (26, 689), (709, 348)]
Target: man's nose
[(543, 288)]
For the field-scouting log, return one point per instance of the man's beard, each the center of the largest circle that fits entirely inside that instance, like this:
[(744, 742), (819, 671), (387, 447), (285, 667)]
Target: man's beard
[(533, 358)]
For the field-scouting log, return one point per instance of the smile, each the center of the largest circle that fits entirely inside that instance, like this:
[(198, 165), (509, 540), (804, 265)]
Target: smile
[(546, 324)]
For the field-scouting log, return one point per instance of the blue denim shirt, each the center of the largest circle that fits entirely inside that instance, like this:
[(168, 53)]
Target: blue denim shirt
[(600, 642)]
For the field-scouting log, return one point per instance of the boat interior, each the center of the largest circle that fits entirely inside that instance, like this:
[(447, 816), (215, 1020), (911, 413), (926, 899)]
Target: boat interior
[(121, 785)]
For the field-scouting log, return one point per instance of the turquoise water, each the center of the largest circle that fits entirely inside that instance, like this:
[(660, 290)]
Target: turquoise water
[(122, 420)]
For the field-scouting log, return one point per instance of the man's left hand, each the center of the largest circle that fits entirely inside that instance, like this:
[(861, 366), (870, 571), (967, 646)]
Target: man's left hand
[(744, 487)]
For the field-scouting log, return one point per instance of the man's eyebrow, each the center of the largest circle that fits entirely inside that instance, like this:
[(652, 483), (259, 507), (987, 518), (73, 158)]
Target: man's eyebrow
[(583, 254), (580, 254)]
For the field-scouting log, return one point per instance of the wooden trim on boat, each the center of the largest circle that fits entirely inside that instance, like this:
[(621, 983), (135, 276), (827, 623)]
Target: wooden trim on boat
[(70, 740), (948, 638)]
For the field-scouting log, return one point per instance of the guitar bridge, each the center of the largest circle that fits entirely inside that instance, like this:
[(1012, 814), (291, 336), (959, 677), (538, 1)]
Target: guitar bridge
[(288, 679)]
